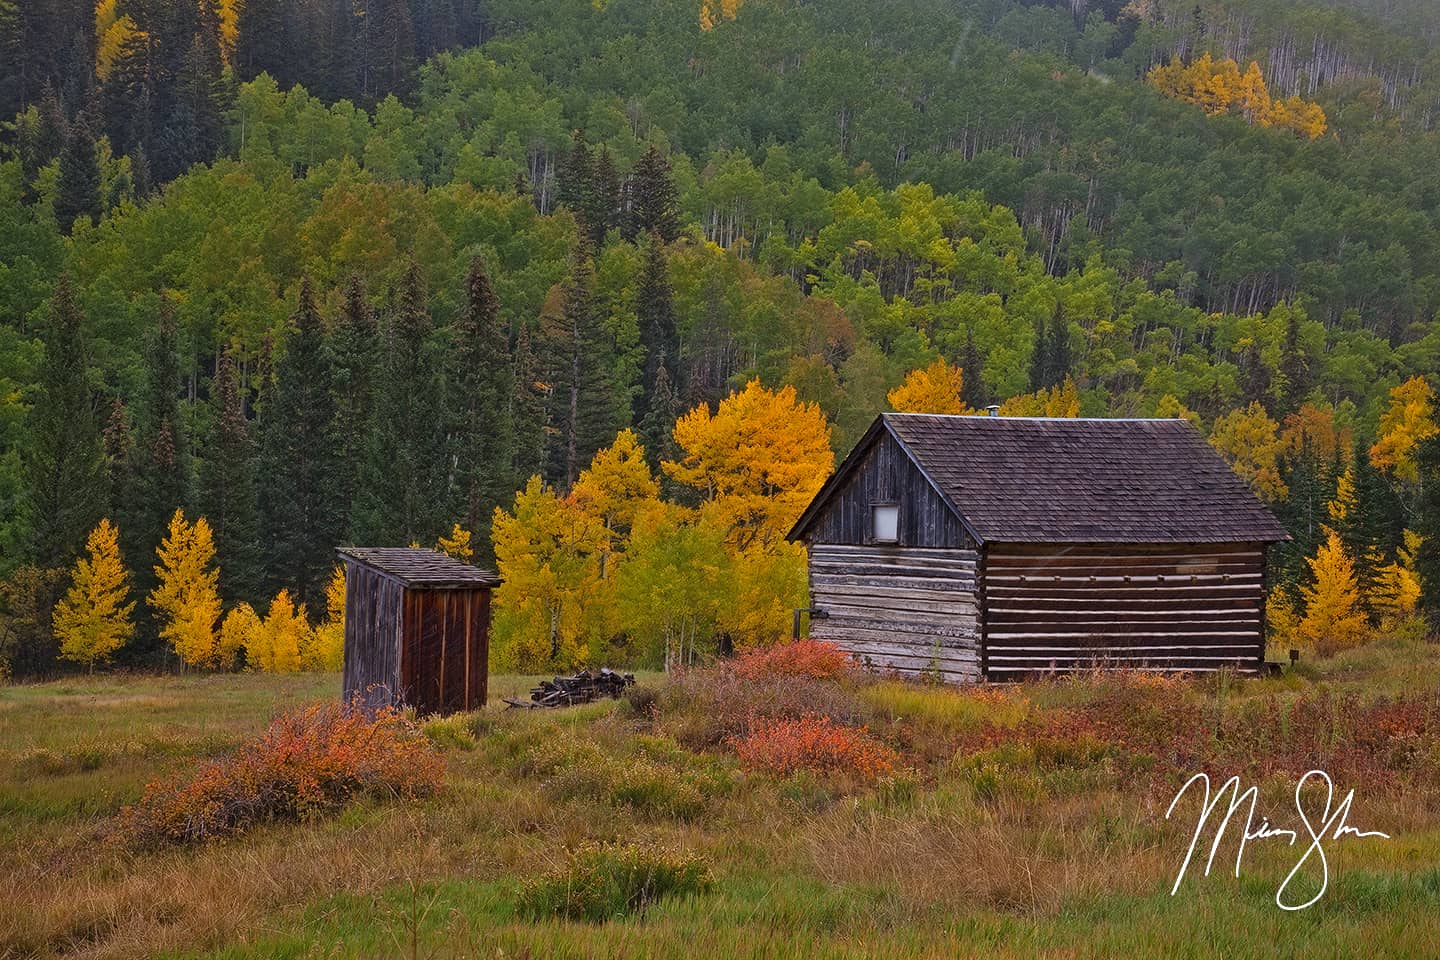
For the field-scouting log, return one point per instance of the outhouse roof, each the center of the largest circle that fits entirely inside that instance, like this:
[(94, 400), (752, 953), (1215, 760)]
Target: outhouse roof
[(421, 569)]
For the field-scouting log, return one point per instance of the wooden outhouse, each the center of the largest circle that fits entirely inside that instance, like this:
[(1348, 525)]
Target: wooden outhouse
[(984, 547), (417, 629)]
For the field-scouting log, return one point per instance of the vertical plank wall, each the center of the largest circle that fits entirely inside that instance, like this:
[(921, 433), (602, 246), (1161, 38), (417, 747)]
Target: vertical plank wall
[(372, 647), (445, 647), (1162, 607)]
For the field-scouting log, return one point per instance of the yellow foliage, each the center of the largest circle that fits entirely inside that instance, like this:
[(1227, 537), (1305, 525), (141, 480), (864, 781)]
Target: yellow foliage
[(1333, 617), (935, 389), (238, 631), (277, 645), (1282, 616), (112, 32), (456, 545), (326, 650), (1169, 407), (757, 461), (186, 598), (1249, 441), (713, 11), (1345, 502), (1397, 589), (1218, 86), (92, 620), (766, 586), (1410, 420), (617, 484), (1061, 401)]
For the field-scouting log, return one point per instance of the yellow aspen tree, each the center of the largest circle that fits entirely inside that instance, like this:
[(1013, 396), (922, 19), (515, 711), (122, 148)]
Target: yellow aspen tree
[(1249, 441), (1334, 619), (326, 649), (1409, 420), (1397, 589), (935, 389), (756, 462), (1058, 401), (1345, 502), (617, 484), (456, 545), (238, 631), (92, 620), (187, 597), (275, 647)]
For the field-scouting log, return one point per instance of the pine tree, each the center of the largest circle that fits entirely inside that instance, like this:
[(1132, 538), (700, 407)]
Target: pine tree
[(201, 86), (657, 427), (573, 189), (972, 366), (227, 486), (579, 362), (602, 209), (78, 192), (1334, 619), (355, 347), (1058, 360), (394, 46), (1294, 365), (655, 310), (186, 598), (1427, 525), (123, 483), (527, 409), (64, 462), (1039, 363), (480, 388), (654, 203), (300, 515), (92, 620), (401, 496)]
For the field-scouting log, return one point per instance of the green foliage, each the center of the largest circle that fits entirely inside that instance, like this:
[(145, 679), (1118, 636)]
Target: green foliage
[(608, 883)]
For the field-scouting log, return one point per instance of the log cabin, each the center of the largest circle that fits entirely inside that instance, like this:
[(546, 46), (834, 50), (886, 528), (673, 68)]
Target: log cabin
[(417, 629), (970, 548)]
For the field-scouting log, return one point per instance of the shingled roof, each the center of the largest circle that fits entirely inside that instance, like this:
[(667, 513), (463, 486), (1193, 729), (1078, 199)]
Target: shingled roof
[(1051, 480), (421, 569)]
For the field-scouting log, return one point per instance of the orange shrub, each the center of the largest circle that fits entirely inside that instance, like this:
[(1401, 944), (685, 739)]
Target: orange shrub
[(307, 763), (814, 659), (784, 746)]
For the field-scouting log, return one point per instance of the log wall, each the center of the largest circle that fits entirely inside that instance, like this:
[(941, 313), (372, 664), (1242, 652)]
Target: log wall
[(906, 610), (1191, 607)]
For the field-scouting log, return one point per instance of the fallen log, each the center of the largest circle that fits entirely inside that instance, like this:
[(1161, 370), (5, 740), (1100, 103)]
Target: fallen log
[(583, 687)]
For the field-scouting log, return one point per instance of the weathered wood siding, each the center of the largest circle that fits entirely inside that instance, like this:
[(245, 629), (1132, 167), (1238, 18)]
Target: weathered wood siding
[(909, 610), (373, 603), (1162, 607), (888, 475), (424, 648), (444, 649)]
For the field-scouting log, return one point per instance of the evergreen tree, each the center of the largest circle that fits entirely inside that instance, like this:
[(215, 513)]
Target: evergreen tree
[(78, 192), (300, 515), (527, 409), (1310, 480), (64, 461), (119, 446), (573, 189), (1295, 381), (227, 487), (394, 45), (602, 209), (1058, 359), (654, 202), (1427, 524), (972, 388), (400, 500), (657, 427), (480, 388), (579, 356), (201, 86), (655, 310), (162, 459), (355, 347), (1039, 365)]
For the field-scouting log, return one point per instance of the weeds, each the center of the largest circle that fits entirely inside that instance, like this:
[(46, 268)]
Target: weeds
[(784, 746), (609, 882)]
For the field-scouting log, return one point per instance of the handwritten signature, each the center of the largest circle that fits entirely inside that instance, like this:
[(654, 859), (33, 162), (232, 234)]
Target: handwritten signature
[(1332, 825)]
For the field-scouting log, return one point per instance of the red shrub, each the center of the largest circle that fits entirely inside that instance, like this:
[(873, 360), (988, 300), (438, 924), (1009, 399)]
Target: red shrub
[(800, 658), (308, 762), (813, 743)]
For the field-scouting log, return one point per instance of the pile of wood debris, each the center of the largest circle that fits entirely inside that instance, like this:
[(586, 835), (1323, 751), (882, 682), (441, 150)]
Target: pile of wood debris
[(583, 687)]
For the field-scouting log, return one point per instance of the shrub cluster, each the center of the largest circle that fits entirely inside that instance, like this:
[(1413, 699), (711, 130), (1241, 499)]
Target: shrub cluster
[(608, 882), (705, 708), (309, 762), (812, 659), (818, 743)]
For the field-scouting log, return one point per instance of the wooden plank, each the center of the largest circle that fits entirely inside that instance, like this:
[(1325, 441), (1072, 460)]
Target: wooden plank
[(933, 613), (955, 629), (828, 580), (878, 638)]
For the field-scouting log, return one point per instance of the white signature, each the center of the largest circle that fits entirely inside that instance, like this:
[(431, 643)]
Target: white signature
[(1332, 825)]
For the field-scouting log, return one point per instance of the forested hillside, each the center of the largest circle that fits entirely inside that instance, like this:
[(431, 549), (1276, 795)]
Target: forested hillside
[(318, 273)]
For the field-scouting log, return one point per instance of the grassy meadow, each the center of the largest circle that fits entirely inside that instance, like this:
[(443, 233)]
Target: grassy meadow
[(1013, 821)]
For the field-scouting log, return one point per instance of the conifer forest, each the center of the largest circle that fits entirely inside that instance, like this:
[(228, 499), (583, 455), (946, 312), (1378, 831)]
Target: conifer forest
[(596, 293)]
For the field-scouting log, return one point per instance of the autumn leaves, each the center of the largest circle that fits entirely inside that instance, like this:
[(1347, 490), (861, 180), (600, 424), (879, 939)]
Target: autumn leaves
[(94, 619), (1218, 87)]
